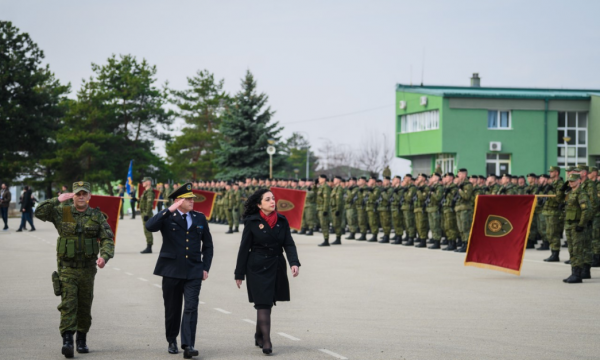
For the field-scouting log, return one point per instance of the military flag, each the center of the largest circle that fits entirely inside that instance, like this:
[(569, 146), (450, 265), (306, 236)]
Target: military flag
[(141, 190), (110, 206), (129, 184), (499, 232), (204, 202), (290, 203)]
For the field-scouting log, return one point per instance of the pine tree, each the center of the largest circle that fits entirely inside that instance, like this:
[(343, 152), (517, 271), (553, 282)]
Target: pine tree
[(246, 131)]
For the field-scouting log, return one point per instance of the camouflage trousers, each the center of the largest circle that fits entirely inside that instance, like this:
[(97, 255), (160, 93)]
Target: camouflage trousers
[(589, 254), (324, 220), (596, 236), (352, 220), (373, 221), (363, 221), (533, 229), (553, 230), (386, 221), (148, 234), (541, 225), (422, 224), (308, 218), (229, 217), (336, 220), (344, 219), (77, 286), (236, 217), (464, 219), (398, 222), (409, 223), (435, 224), (450, 225), (576, 241)]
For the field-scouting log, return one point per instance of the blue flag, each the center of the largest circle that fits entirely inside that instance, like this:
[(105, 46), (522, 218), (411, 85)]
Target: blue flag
[(130, 178)]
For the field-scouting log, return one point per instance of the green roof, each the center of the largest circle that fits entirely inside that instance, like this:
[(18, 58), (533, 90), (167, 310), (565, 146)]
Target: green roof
[(499, 93)]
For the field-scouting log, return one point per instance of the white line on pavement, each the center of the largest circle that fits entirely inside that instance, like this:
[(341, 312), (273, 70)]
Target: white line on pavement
[(337, 356), (142, 279), (223, 311), (128, 273), (117, 269), (289, 336), (158, 286), (201, 302), (249, 321)]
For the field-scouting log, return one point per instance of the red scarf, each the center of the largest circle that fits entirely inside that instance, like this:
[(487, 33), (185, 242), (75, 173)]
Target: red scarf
[(271, 219)]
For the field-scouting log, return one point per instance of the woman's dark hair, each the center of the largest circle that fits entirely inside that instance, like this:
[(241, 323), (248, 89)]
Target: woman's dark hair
[(250, 206)]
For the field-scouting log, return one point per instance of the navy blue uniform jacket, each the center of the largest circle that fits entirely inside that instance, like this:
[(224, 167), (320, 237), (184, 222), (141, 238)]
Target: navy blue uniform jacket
[(185, 253)]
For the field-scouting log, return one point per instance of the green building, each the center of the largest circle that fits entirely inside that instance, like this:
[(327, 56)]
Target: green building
[(496, 130)]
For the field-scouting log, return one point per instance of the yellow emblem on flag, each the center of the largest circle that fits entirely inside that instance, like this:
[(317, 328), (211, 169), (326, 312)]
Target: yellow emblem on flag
[(284, 205), (497, 226), (200, 198)]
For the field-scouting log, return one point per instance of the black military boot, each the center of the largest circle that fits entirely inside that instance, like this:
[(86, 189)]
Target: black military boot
[(229, 231), (409, 242), (553, 257), (302, 231), (385, 239), (462, 249), (436, 245), (237, 229), (147, 250), (362, 237), (67, 348), (397, 240), (545, 246), (338, 241), (325, 243), (82, 347), (315, 229), (373, 238), (451, 246), (351, 236), (430, 241), (309, 232), (444, 242), (294, 231), (575, 277), (566, 244), (530, 245), (596, 260), (422, 243), (568, 262), (459, 243), (585, 272)]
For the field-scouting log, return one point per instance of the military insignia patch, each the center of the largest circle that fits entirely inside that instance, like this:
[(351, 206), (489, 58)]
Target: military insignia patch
[(80, 183), (497, 226), (284, 205), (261, 226), (189, 187)]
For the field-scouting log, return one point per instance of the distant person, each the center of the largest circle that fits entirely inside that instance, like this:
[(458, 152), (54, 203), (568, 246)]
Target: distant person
[(26, 209), (4, 204), (265, 236), (133, 200)]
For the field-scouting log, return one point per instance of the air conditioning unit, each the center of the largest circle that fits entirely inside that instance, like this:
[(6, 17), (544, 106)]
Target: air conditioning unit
[(402, 105), (495, 146), (423, 100)]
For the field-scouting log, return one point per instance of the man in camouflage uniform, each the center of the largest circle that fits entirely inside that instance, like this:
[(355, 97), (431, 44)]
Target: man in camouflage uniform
[(146, 204), (308, 216), (350, 206), (449, 198), (507, 188), (539, 209), (237, 205), (397, 216), (531, 189), (552, 212), (323, 201), (433, 205), (421, 221), (83, 235), (385, 216), (589, 187), (492, 186), (578, 213), (410, 191), (464, 208), (371, 198), (337, 208), (593, 176), (360, 206)]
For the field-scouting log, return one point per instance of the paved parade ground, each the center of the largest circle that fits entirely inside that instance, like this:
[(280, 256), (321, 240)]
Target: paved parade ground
[(356, 301)]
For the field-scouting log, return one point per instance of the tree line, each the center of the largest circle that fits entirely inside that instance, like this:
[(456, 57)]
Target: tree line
[(119, 114)]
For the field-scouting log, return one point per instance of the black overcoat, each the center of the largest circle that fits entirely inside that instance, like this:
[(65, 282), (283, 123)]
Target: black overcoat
[(261, 260), (185, 253)]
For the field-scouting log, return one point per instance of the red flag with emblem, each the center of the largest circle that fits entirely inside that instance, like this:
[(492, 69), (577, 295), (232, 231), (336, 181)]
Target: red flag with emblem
[(499, 232), (110, 206), (141, 190), (204, 202), (290, 203)]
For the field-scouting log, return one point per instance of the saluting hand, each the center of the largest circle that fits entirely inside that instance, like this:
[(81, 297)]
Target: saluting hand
[(66, 196), (295, 271), (175, 205)]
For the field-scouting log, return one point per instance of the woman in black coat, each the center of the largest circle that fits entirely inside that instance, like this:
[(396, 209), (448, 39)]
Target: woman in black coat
[(266, 235)]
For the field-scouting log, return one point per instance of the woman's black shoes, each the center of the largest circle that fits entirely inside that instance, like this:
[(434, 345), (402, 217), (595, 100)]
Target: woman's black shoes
[(268, 350), (256, 343)]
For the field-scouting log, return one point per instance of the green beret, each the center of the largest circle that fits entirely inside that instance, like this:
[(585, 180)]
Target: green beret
[(81, 185), (574, 177), (554, 168)]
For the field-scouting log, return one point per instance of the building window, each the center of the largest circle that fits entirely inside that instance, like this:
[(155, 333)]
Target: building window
[(498, 164), (499, 119), (428, 120), (572, 138), (445, 162)]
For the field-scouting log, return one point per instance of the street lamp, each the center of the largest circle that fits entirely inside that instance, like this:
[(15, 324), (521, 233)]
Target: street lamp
[(271, 151), (566, 140)]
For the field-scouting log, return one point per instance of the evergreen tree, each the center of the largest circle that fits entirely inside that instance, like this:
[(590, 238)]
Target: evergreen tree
[(246, 129), (192, 153)]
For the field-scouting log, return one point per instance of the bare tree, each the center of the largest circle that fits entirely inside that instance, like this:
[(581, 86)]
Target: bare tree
[(375, 154)]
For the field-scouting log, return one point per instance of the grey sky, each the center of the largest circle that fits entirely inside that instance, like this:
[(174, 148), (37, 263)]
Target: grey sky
[(324, 58)]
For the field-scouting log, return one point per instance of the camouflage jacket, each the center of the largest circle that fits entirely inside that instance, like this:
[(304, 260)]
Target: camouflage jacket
[(146, 202), (323, 197), (436, 195), (552, 204), (578, 207), (337, 199), (465, 197), (449, 198)]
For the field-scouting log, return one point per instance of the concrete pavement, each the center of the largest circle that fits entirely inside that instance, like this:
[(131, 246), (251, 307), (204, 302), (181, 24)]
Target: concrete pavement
[(356, 301)]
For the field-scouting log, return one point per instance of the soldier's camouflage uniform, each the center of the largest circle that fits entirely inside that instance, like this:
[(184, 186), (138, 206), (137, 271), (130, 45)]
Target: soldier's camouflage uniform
[(408, 211), (578, 213), (397, 215), (464, 210), (350, 206), (433, 211), (384, 210), (449, 197), (421, 220), (552, 213), (360, 205), (589, 187), (308, 217), (323, 199), (146, 203), (372, 196), (337, 208)]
